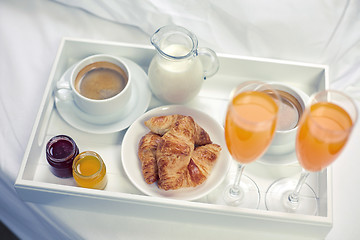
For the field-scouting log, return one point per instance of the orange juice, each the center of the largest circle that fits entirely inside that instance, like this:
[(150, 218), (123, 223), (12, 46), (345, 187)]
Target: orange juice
[(250, 125), (89, 170), (322, 134)]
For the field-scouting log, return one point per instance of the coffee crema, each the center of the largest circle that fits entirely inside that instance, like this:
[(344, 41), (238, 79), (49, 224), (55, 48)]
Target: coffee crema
[(100, 80), (290, 111)]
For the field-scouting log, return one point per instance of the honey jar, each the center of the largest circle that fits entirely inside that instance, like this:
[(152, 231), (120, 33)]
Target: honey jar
[(89, 170)]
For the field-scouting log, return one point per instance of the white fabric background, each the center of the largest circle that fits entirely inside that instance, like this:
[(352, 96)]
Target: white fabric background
[(325, 32)]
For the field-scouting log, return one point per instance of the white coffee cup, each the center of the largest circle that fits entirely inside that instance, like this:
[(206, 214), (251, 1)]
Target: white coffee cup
[(294, 101), (99, 85)]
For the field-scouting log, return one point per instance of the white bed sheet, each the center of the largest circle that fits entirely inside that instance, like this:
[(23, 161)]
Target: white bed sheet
[(325, 32)]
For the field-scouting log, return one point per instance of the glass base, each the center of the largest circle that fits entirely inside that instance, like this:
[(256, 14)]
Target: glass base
[(277, 198), (248, 196)]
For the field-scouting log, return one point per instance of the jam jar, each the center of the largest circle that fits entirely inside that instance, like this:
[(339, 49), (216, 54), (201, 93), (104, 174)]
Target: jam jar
[(60, 153)]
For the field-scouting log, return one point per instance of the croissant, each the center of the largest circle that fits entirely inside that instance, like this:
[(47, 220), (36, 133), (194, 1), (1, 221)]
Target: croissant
[(192, 174), (163, 124), (173, 154), (160, 125), (202, 162), (147, 155)]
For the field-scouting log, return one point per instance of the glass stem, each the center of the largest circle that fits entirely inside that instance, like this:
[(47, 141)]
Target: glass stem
[(235, 189), (294, 196)]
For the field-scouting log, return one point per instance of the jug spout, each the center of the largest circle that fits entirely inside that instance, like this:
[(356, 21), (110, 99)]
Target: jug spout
[(155, 39), (169, 37)]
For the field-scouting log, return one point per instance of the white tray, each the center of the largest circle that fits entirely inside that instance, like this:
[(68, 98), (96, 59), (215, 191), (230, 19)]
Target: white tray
[(35, 183)]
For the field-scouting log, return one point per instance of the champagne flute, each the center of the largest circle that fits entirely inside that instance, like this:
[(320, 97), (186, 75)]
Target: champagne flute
[(323, 132), (250, 125)]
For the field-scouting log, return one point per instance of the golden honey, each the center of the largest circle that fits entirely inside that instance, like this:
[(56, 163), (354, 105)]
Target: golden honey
[(89, 170)]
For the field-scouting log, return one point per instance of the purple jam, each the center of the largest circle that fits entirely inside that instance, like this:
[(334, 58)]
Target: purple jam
[(61, 149), (60, 153)]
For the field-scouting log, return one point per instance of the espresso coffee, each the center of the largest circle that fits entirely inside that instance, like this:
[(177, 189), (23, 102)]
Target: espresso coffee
[(100, 80), (290, 111)]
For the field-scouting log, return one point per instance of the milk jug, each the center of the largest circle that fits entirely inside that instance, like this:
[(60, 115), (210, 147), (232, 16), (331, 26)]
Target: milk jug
[(178, 69)]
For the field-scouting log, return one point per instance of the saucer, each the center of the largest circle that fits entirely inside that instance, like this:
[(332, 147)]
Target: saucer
[(138, 104)]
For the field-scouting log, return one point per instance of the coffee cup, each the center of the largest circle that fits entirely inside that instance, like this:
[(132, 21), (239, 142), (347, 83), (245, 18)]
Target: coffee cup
[(292, 106), (100, 85)]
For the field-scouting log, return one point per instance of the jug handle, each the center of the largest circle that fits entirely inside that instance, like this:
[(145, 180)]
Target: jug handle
[(209, 61)]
